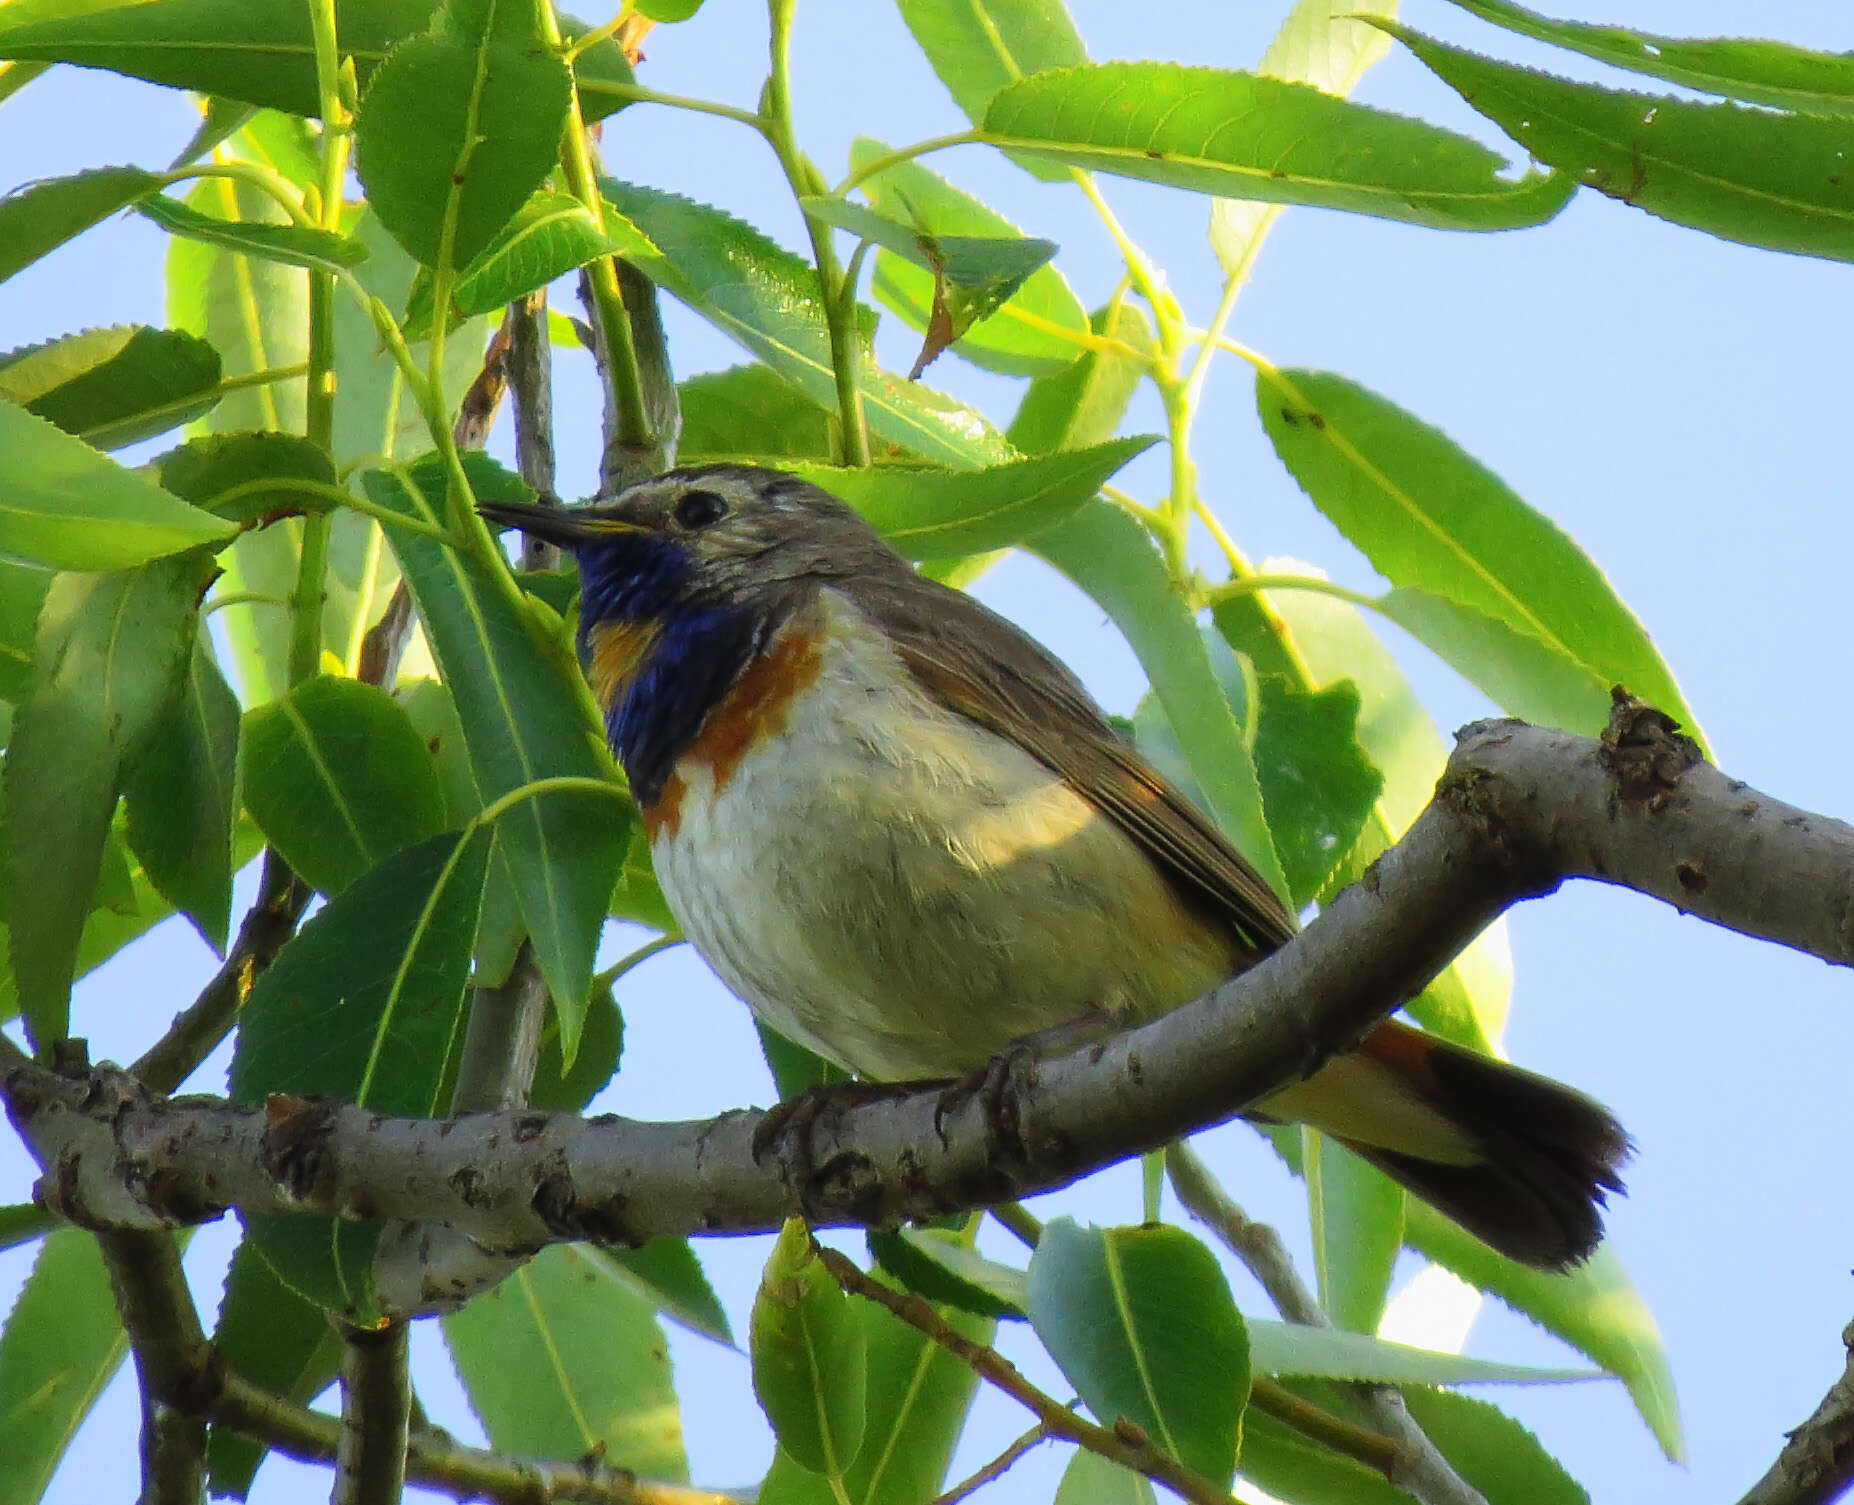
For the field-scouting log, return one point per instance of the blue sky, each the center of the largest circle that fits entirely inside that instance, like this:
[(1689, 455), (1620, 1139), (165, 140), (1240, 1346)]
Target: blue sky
[(1677, 404)]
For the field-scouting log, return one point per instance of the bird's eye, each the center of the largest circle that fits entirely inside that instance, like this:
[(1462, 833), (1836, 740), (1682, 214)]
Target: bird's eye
[(697, 509)]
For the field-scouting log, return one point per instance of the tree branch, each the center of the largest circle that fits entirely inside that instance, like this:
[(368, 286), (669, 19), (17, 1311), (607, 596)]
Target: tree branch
[(1817, 1462), (1417, 1465), (376, 1408), (1518, 809)]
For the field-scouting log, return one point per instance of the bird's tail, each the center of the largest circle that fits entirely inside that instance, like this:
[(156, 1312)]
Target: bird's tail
[(1522, 1162)]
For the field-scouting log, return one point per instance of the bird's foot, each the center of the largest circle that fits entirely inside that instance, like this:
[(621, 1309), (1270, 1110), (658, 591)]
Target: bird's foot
[(788, 1128)]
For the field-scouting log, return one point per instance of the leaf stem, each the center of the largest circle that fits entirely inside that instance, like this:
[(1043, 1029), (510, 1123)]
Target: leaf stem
[(638, 94), (1248, 585), (266, 180), (242, 598), (887, 160), (839, 303), (564, 783), (607, 298), (319, 421), (635, 958)]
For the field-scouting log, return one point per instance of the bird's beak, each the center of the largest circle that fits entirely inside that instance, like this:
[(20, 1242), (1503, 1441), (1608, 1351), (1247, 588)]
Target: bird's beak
[(567, 527)]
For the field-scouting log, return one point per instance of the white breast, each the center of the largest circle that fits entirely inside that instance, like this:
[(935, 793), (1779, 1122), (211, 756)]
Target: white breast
[(907, 893)]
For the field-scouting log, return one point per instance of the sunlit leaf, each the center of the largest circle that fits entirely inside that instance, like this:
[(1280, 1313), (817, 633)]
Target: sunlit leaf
[(548, 237), (1777, 74), (1244, 135), (247, 477), (112, 387), (1289, 1348), (749, 410), (1751, 175), (1428, 515)]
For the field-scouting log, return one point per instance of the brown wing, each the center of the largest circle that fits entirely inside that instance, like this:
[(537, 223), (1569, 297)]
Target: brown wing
[(986, 669)]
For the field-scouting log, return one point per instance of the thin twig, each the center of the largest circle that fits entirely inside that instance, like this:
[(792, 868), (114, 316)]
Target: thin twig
[(1817, 1461), (376, 1408), (1417, 1465), (198, 1029), (531, 380), (1124, 1443), (994, 1469)]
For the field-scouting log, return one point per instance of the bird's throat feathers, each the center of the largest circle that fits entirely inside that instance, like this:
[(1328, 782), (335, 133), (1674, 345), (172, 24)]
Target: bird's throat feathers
[(668, 672)]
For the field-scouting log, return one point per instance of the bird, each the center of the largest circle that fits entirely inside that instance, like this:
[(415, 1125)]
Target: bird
[(901, 831)]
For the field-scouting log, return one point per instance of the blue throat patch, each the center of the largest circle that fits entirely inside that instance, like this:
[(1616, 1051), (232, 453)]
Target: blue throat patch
[(695, 655)]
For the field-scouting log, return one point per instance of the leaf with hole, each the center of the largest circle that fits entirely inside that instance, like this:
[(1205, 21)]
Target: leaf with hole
[(1244, 135), (111, 387)]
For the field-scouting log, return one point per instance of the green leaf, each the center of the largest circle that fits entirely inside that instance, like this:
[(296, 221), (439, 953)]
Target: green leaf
[(339, 779), (558, 1087), (1085, 404), (364, 1006), (71, 508), (1522, 674), (40, 217), (749, 410), (1491, 1451), (938, 514), (1777, 74), (111, 387), (668, 10), (914, 1407), (1318, 784), (61, 1344), (1428, 515), (1743, 174), (1244, 135), (548, 237), (521, 704), (247, 477), (1319, 42), (1091, 1479), (258, 51), (1287, 1348), (292, 245), (272, 1337), (1141, 1322), (941, 1266), (767, 299), (1356, 1213), (1036, 328), (564, 1360), (181, 798), (22, 593), (793, 1068), (21, 1223), (809, 1356), (667, 1274), (1113, 559), (1594, 1307), (977, 47), (1316, 641), (968, 277), (458, 128), (111, 653)]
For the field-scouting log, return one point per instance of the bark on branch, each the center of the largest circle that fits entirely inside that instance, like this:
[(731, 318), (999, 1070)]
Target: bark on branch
[(1518, 810)]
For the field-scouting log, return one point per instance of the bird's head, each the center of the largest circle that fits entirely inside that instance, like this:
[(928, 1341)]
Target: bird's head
[(703, 539)]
